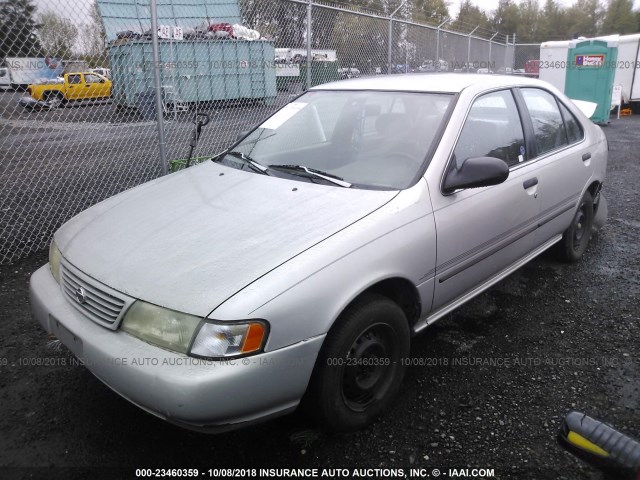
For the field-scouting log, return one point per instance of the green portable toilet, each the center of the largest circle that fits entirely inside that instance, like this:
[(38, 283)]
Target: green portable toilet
[(591, 67)]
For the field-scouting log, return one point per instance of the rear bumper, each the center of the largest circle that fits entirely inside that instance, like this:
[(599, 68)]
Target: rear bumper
[(193, 393)]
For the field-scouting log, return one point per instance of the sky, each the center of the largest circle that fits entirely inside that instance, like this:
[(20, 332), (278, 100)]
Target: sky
[(490, 5), (76, 10)]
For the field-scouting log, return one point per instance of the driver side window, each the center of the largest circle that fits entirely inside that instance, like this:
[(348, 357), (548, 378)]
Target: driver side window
[(492, 129)]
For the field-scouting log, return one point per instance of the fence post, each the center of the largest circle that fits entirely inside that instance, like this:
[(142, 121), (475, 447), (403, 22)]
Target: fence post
[(158, 86), (391, 38), (469, 46), (506, 52), (309, 31), (494, 36), (437, 59)]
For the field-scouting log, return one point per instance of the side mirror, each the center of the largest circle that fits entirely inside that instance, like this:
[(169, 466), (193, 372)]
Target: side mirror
[(476, 172), (242, 134)]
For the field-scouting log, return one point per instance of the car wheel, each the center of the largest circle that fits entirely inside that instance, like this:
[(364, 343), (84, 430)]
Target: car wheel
[(53, 99), (359, 368), (576, 238)]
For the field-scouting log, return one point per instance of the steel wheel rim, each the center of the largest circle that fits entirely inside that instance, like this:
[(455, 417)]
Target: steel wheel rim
[(579, 227), (365, 377)]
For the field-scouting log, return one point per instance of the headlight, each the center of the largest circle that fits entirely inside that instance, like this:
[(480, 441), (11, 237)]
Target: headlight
[(175, 331), (224, 340), (54, 260), (160, 326)]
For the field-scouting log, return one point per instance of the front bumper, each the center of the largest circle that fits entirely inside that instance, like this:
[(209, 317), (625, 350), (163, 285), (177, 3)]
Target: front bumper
[(193, 393)]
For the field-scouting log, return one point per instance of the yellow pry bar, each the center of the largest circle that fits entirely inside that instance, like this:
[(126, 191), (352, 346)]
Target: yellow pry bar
[(581, 442)]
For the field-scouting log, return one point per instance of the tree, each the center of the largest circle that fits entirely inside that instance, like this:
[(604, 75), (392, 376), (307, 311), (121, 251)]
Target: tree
[(506, 17), (360, 42), (527, 29), (553, 22), (584, 19), (57, 34), (619, 18), (283, 21), (469, 17), (18, 29), (94, 36), (435, 10)]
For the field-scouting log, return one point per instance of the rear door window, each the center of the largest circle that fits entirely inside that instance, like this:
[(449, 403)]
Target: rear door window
[(548, 125)]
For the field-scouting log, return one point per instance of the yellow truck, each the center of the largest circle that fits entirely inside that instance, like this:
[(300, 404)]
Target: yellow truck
[(70, 87)]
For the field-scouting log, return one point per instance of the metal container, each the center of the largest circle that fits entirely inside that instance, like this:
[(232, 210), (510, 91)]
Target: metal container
[(195, 70)]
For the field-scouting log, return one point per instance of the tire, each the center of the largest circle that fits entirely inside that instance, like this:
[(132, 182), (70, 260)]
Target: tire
[(54, 99), (576, 238), (344, 396)]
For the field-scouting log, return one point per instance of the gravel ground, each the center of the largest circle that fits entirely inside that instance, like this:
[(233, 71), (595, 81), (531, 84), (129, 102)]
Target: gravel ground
[(566, 336), (56, 163)]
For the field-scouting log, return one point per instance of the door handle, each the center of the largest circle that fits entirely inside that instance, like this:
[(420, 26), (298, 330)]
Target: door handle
[(586, 157), (532, 182)]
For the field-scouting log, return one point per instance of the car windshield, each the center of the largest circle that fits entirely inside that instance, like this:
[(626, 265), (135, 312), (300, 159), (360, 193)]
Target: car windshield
[(369, 139)]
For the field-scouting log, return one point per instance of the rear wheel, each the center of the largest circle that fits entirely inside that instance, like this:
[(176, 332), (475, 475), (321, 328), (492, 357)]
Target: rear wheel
[(576, 238), (359, 368)]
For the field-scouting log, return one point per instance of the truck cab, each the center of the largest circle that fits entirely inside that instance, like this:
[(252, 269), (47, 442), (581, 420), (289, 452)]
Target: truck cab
[(70, 87)]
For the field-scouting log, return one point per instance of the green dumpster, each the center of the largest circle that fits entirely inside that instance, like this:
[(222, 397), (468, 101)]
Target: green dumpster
[(321, 72), (591, 67), (194, 70)]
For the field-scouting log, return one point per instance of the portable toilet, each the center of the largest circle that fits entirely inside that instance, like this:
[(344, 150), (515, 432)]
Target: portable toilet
[(591, 68)]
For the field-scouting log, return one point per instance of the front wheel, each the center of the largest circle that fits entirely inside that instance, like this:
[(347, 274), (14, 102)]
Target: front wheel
[(54, 99), (359, 368), (576, 238)]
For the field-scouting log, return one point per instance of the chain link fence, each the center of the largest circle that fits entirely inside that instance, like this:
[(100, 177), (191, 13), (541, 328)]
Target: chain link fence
[(526, 59), (91, 105)]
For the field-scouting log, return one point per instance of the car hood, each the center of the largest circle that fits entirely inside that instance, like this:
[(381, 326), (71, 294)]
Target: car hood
[(190, 240)]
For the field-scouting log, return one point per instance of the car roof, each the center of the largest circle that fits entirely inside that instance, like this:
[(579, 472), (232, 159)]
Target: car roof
[(429, 82)]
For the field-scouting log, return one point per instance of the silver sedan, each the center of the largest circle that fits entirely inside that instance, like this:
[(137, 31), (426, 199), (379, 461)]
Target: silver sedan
[(296, 265)]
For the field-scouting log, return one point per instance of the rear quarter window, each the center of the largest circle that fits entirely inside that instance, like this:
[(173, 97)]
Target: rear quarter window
[(575, 133)]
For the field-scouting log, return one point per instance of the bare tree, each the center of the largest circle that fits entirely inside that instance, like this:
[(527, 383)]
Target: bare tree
[(94, 36), (57, 35)]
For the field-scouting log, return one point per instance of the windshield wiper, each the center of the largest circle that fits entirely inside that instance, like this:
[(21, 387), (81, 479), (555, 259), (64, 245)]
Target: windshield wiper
[(258, 167), (312, 172)]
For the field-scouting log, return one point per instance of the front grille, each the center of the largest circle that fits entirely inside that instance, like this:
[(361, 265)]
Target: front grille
[(100, 303)]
